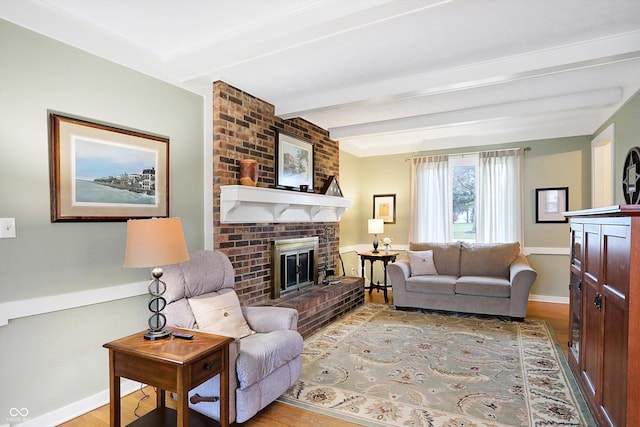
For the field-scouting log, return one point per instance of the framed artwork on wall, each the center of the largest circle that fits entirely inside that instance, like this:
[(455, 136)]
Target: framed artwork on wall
[(550, 203), (100, 172), (384, 207), (294, 162)]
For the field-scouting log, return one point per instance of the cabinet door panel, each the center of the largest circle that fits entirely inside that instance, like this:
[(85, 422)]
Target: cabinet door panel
[(591, 318), (614, 358), (576, 246), (616, 247), (591, 260), (615, 257), (575, 317), (575, 296), (591, 340)]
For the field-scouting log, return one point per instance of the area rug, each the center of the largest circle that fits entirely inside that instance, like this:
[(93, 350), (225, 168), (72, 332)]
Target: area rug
[(378, 366)]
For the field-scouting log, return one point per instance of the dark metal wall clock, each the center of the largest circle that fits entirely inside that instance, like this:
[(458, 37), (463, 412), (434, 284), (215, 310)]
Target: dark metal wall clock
[(631, 176)]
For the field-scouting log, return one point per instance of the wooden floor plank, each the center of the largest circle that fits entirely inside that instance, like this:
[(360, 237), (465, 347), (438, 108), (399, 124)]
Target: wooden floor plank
[(281, 415)]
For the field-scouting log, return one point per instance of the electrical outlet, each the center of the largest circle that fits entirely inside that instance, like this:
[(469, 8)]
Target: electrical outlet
[(7, 228)]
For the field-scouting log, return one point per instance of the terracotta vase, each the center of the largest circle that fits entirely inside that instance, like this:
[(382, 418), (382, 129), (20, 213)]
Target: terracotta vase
[(248, 172)]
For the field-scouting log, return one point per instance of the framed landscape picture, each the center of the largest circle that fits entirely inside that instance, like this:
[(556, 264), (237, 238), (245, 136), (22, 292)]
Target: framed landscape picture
[(294, 162), (102, 173)]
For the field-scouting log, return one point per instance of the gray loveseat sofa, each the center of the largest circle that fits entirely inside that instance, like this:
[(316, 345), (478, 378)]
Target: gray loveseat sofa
[(471, 278)]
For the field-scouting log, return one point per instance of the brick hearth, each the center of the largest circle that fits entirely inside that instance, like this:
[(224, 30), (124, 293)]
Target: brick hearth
[(320, 305)]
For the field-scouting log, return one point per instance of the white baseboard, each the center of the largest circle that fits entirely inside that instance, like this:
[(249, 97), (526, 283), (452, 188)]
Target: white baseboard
[(549, 298), (78, 408)]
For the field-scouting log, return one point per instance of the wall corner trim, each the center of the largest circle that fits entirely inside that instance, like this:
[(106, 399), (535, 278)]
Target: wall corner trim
[(47, 304)]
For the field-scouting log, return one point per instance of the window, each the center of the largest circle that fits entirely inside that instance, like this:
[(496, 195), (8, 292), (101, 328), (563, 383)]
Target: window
[(462, 171), (471, 197)]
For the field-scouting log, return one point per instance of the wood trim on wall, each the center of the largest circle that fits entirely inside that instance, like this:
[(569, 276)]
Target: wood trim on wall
[(48, 304)]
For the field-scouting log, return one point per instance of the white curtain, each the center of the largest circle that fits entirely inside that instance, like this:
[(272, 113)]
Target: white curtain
[(430, 200), (500, 197)]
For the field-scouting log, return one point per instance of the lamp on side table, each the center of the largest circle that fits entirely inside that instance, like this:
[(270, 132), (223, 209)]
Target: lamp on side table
[(152, 243), (376, 226)]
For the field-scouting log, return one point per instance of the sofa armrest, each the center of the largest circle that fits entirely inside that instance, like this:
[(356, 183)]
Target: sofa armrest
[(522, 277), (268, 319), (399, 270)]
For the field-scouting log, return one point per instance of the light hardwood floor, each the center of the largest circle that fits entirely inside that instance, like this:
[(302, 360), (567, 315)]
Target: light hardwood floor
[(281, 415)]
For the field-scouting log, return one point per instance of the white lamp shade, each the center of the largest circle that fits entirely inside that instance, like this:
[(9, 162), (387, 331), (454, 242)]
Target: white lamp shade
[(155, 242), (376, 226)]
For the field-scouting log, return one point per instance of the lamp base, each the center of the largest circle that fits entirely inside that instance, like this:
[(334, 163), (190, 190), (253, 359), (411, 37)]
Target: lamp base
[(157, 335)]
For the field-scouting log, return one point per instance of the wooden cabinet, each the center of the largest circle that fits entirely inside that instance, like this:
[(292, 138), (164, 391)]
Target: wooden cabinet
[(604, 336)]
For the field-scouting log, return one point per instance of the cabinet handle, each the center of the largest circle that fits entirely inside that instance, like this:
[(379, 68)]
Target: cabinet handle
[(207, 366), (580, 285), (597, 301)]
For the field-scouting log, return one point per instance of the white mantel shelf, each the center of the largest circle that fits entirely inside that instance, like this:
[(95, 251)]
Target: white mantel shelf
[(240, 204)]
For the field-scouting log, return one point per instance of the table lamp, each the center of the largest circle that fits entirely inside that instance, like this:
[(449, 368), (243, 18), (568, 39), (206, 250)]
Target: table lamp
[(376, 226), (153, 243)]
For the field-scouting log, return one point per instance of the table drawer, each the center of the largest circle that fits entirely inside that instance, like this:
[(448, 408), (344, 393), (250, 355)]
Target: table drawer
[(206, 368)]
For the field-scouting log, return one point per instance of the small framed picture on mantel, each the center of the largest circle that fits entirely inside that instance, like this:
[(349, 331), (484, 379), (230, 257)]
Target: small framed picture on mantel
[(294, 162)]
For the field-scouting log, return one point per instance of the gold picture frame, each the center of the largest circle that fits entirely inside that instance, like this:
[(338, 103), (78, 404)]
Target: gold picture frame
[(384, 207), (99, 172)]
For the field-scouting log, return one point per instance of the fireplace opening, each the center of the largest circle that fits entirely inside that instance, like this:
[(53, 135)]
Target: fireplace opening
[(294, 265)]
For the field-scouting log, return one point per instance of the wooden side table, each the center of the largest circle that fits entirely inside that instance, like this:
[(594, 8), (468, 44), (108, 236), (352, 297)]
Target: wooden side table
[(171, 364), (373, 257)]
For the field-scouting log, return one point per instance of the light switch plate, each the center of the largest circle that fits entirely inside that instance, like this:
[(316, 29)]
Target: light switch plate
[(7, 228)]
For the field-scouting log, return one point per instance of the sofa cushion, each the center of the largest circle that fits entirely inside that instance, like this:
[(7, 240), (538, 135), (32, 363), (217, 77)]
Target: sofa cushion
[(421, 263), (481, 259), (432, 284), (446, 256), (220, 314), (262, 354), (485, 286)]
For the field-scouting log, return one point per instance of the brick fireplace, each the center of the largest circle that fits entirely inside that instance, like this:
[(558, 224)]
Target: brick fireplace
[(244, 127)]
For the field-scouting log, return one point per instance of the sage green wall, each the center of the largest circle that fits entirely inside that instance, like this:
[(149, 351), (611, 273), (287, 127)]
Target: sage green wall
[(365, 177), (51, 360), (561, 162), (626, 136), (350, 185)]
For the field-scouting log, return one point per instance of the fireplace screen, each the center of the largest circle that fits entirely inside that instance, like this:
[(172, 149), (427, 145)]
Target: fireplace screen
[(294, 265)]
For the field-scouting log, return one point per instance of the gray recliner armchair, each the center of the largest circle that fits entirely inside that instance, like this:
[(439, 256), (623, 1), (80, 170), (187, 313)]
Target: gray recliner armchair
[(262, 365)]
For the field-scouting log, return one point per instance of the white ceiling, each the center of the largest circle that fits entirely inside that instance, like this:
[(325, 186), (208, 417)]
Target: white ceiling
[(384, 76)]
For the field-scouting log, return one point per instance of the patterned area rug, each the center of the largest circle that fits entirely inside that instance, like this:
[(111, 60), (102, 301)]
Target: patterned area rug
[(379, 366)]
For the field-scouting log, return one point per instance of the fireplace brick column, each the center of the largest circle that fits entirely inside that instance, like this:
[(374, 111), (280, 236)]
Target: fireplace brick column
[(244, 127)]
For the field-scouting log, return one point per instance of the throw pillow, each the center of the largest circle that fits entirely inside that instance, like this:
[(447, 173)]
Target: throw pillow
[(220, 314), (421, 263)]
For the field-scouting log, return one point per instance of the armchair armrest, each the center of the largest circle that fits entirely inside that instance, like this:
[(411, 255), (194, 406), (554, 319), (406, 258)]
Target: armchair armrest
[(268, 319)]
